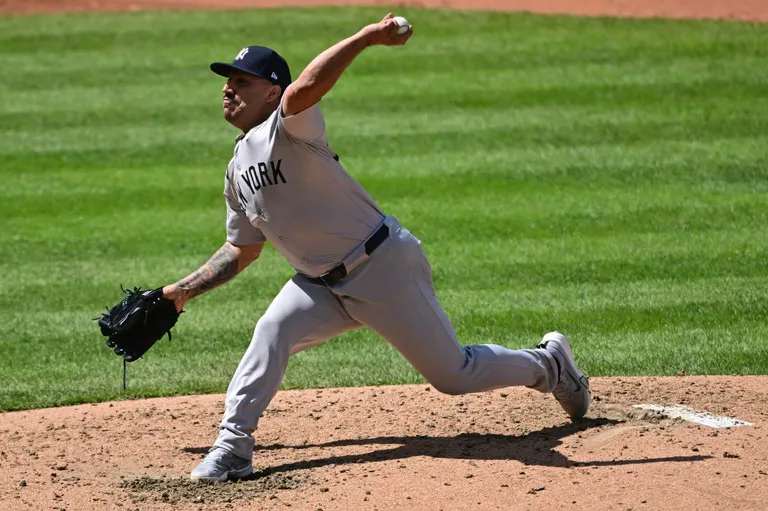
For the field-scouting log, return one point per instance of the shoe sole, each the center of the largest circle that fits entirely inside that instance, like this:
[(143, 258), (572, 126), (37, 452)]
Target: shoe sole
[(231, 475), (560, 344)]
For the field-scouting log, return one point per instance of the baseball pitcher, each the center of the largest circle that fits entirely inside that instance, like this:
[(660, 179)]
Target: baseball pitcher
[(355, 265)]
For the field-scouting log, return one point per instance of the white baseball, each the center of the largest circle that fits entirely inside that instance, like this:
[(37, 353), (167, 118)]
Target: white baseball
[(402, 23)]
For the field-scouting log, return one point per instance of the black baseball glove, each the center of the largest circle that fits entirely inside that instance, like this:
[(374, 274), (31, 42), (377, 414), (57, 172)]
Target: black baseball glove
[(136, 323)]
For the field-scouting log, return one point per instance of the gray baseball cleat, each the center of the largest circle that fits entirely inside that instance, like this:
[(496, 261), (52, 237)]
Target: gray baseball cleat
[(572, 390), (220, 465)]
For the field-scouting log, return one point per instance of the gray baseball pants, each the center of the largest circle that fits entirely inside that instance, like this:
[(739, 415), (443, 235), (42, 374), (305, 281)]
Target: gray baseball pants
[(391, 293)]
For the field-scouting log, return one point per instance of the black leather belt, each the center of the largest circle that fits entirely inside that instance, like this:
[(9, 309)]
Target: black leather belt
[(334, 276)]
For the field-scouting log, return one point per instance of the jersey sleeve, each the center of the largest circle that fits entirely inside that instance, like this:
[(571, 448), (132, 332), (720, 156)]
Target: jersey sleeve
[(307, 125), (240, 230)]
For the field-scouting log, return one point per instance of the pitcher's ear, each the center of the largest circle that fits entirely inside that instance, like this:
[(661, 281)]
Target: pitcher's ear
[(274, 93)]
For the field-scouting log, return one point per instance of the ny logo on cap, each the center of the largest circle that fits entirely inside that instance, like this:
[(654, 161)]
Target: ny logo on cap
[(274, 75), (241, 54)]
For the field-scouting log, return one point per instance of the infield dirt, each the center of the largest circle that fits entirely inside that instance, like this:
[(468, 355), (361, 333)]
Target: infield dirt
[(403, 447), (406, 447), (754, 10)]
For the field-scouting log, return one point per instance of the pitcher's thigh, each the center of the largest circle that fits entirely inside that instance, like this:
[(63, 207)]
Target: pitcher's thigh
[(412, 320), (303, 314)]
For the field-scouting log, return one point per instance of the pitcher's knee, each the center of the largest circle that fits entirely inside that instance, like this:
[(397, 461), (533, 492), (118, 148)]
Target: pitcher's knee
[(267, 339), (268, 329), (450, 387)]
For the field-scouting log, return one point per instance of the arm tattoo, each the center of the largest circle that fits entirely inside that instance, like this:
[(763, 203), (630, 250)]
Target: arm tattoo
[(220, 268)]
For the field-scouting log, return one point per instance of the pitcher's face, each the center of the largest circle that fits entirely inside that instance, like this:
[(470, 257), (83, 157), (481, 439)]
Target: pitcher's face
[(245, 97)]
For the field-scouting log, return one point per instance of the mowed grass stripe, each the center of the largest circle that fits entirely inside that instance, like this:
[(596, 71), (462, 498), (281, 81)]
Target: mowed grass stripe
[(722, 165), (565, 261), (528, 125), (571, 252), (174, 368), (142, 100), (542, 214), (634, 305), (577, 186), (615, 192), (546, 39), (116, 76)]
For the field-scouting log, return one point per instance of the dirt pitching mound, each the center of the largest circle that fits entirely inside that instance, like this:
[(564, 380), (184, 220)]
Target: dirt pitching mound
[(405, 447)]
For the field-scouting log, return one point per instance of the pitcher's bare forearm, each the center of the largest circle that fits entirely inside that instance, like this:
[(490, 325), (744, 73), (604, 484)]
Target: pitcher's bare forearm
[(219, 269), (325, 70), (323, 73), (227, 262)]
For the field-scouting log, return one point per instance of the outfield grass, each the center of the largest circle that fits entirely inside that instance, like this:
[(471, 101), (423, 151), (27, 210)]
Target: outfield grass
[(606, 178)]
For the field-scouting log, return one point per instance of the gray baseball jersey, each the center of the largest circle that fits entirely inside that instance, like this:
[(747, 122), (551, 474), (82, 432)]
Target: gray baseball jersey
[(285, 185)]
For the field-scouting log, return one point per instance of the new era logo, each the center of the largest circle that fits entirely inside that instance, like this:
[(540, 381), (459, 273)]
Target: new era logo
[(241, 54), (274, 75)]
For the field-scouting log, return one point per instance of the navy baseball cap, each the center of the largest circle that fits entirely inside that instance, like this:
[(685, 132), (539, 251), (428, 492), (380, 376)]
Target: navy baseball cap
[(258, 61)]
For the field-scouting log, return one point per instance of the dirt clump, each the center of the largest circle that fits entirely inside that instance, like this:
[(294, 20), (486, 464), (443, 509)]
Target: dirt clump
[(182, 490)]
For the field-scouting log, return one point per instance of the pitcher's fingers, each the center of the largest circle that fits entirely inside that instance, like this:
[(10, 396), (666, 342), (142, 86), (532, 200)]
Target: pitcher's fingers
[(403, 38)]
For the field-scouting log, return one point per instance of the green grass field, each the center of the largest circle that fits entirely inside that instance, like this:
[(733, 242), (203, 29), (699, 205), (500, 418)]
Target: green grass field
[(606, 178)]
